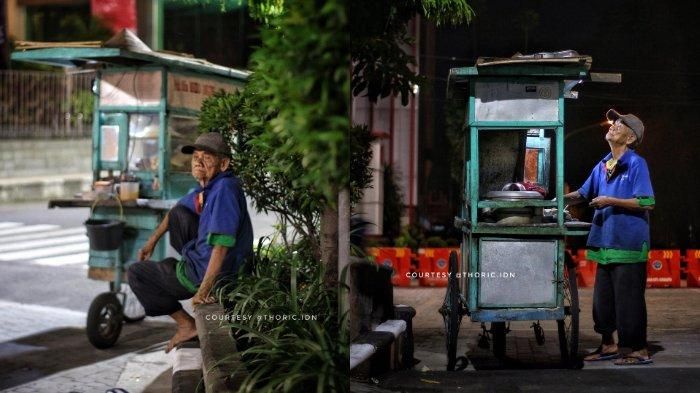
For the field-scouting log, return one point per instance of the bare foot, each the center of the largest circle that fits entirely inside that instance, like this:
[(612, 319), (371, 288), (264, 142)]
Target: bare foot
[(184, 333)]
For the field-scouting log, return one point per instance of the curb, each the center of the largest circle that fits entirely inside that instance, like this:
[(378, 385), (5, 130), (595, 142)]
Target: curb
[(220, 357), (187, 368)]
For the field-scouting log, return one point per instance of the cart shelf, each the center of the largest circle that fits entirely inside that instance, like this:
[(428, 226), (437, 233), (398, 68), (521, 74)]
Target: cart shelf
[(574, 228), (523, 203)]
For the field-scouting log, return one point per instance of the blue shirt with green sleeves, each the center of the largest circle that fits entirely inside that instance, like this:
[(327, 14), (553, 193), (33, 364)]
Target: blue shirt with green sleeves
[(223, 220), (615, 227)]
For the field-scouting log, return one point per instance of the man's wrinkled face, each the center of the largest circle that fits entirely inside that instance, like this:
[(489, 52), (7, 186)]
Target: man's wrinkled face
[(619, 133), (206, 165)]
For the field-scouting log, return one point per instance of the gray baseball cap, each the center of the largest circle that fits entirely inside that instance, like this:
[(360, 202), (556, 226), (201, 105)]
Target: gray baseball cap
[(630, 121), (213, 142)]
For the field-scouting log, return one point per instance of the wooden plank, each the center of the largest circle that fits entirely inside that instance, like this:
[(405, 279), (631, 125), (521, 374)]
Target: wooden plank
[(104, 274), (605, 77)]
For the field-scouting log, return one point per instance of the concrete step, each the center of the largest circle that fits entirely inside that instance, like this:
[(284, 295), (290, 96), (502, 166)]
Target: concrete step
[(220, 357)]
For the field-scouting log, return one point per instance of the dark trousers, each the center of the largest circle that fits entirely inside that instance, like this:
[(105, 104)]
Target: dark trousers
[(618, 304), (155, 284)]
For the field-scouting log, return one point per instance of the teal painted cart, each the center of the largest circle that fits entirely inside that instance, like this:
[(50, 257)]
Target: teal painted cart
[(514, 263), (146, 105)]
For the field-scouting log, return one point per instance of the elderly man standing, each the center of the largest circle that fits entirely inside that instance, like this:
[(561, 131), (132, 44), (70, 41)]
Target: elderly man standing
[(619, 188), (211, 229)]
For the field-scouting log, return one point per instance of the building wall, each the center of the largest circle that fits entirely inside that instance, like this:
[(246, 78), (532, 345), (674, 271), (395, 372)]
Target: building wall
[(396, 129), (32, 157)]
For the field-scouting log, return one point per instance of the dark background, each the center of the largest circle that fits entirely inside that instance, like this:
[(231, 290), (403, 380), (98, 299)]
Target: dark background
[(654, 45)]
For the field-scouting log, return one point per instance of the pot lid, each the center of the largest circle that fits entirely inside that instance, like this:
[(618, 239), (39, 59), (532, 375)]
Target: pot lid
[(514, 195)]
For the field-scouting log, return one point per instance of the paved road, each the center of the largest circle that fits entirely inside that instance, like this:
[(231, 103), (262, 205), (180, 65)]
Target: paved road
[(44, 296), (673, 334)]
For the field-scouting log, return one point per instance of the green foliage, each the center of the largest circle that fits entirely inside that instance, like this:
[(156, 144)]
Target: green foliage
[(393, 204), (411, 237), (360, 156), (302, 72), (378, 29), (289, 355), (81, 103), (435, 241)]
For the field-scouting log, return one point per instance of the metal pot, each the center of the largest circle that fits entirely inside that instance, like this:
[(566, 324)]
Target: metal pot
[(516, 215)]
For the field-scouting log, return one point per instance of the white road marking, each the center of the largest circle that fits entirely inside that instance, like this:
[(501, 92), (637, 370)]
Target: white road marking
[(27, 229), (45, 252), (43, 235), (49, 241), (62, 260), (9, 224)]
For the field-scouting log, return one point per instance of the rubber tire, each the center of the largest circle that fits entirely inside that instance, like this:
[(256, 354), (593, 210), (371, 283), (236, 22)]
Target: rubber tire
[(498, 337), (128, 305), (104, 334), (452, 320), (568, 343)]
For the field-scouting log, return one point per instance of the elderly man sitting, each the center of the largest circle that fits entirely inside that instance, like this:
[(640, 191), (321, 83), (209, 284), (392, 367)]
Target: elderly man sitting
[(211, 229)]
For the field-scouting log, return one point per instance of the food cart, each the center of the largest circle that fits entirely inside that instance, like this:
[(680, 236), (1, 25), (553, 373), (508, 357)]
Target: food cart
[(146, 105), (513, 217)]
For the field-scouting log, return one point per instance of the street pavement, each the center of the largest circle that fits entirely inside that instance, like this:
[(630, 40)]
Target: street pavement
[(44, 297), (673, 334)]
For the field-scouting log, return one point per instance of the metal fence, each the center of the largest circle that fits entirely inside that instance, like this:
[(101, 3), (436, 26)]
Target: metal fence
[(40, 104)]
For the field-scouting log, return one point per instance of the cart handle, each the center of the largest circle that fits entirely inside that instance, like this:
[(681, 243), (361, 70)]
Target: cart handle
[(109, 196)]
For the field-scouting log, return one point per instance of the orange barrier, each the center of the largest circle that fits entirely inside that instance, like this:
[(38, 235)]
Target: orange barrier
[(397, 258), (664, 269), (585, 270), (434, 266), (692, 257)]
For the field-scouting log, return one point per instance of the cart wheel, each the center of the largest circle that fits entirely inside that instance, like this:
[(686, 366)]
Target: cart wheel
[(452, 311), (568, 327), (498, 335), (132, 309), (104, 320)]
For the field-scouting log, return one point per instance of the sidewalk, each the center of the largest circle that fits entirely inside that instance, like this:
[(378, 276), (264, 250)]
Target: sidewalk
[(673, 334), (45, 349)]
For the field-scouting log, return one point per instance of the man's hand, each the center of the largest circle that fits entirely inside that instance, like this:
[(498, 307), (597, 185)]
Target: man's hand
[(202, 297), (602, 201), (146, 251)]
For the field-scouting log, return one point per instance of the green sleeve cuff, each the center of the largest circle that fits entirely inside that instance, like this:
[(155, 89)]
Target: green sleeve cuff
[(646, 201), (216, 239)]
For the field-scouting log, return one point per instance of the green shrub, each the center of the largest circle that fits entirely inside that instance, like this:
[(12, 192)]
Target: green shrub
[(288, 355), (435, 241)]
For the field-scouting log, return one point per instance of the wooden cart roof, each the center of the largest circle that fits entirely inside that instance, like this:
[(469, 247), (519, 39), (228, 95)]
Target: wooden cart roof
[(564, 65), (124, 50)]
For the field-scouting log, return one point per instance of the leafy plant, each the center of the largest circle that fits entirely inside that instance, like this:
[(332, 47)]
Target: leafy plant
[(292, 355), (411, 236), (435, 241), (393, 204), (381, 66)]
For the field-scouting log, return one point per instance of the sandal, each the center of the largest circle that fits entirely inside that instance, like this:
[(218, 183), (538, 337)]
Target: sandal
[(633, 361), (601, 355)]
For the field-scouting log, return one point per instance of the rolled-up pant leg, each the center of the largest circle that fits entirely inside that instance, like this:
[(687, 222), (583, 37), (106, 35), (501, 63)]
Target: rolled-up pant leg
[(604, 303), (630, 281), (157, 287)]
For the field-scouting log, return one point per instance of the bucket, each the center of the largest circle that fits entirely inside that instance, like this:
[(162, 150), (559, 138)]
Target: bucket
[(104, 235)]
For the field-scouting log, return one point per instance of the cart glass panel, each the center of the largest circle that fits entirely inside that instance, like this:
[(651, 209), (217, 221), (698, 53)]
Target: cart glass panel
[(143, 142), (183, 131)]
